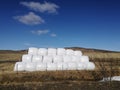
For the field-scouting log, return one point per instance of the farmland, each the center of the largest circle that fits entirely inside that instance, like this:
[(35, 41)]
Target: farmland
[(107, 64)]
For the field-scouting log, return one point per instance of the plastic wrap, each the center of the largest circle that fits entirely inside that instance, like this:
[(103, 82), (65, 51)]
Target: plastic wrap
[(61, 51), (57, 59), (67, 58), (81, 66), (69, 52), (60, 66), (65, 66), (37, 58), (27, 58), (52, 59), (41, 66), (47, 59), (42, 51), (30, 66), (72, 66), (32, 50), (51, 66), (90, 66), (76, 58), (77, 53), (19, 66), (84, 59), (52, 51)]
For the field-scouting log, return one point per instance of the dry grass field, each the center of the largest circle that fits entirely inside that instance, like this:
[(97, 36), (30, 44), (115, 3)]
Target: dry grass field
[(107, 64)]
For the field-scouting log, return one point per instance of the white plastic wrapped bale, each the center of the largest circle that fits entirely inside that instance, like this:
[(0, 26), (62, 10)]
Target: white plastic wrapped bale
[(52, 51), (30, 66), (81, 66), (60, 66), (69, 52), (67, 58), (47, 59), (90, 66), (76, 58), (27, 58), (72, 66), (57, 59), (19, 66), (116, 78), (42, 51), (32, 51), (41, 66), (84, 59), (61, 51), (65, 66), (51, 66), (37, 58), (77, 53)]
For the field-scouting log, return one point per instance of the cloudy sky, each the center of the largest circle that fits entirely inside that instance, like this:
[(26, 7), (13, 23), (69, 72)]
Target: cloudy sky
[(60, 23)]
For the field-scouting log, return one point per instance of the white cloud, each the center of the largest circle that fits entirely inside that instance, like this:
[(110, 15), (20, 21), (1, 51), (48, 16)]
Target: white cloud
[(40, 32), (41, 7), (28, 44), (53, 35), (30, 19)]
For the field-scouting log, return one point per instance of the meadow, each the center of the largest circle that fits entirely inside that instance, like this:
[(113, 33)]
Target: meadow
[(107, 64)]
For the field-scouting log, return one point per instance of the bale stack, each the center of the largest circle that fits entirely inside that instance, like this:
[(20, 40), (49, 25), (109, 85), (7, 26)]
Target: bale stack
[(52, 59)]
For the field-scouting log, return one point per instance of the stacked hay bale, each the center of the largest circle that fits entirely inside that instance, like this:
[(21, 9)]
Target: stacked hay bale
[(52, 59)]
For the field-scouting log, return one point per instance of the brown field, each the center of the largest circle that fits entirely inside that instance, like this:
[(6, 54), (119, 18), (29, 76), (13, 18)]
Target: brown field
[(107, 64)]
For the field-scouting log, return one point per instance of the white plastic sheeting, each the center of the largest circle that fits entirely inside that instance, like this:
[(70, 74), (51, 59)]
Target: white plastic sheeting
[(41, 66), (77, 53), (64, 66), (27, 58), (90, 66), (51, 66), (57, 59), (52, 51), (81, 66), (19, 66), (72, 66), (37, 58), (32, 50), (61, 51), (67, 58), (76, 58), (30, 66), (52, 59), (47, 59), (114, 78), (84, 59), (42, 51), (69, 52), (60, 66)]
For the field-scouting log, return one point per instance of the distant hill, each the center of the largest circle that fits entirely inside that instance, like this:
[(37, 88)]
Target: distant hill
[(73, 48), (12, 51), (91, 50)]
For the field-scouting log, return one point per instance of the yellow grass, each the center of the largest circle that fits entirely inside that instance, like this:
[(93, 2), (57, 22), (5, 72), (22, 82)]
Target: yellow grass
[(6, 66), (100, 55), (10, 56), (102, 62)]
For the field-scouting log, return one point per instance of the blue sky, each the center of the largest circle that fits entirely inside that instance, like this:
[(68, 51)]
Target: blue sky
[(60, 23)]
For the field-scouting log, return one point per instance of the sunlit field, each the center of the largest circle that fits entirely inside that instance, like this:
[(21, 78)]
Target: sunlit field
[(107, 64)]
